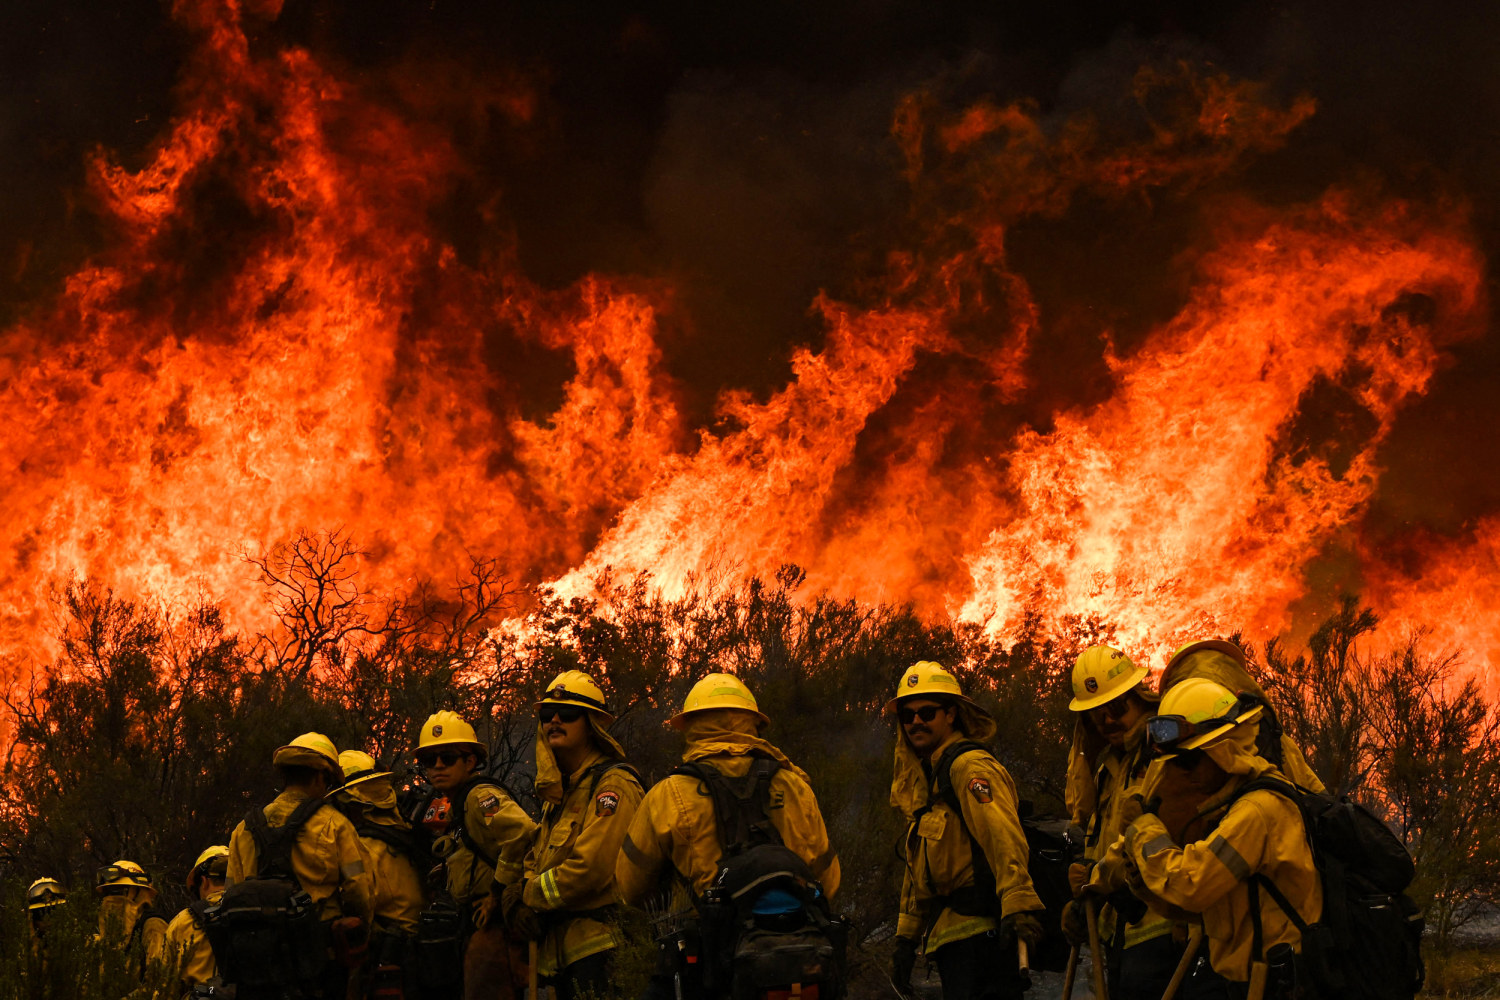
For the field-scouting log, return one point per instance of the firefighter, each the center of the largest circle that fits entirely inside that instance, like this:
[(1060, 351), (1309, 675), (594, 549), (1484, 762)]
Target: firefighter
[(327, 859), (674, 835), (1208, 733), (368, 799), (1106, 774), (187, 946), (41, 896), (965, 909), (589, 795), (126, 922), (1225, 663), (481, 835)]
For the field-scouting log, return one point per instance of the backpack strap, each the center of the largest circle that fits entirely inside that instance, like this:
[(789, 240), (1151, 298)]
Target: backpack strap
[(273, 845), (197, 908), (942, 786), (740, 816), (460, 800), (598, 771)]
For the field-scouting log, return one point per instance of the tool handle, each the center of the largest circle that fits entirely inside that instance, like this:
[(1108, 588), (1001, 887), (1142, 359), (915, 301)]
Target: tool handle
[(532, 992), (1096, 953), (1258, 972), (1073, 958), (1195, 939)]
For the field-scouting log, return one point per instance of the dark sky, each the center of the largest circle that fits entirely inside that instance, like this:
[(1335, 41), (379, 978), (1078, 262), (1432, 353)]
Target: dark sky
[(741, 151)]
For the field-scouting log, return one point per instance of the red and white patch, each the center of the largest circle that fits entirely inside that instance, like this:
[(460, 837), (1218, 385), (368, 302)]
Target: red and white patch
[(606, 803), (980, 789)]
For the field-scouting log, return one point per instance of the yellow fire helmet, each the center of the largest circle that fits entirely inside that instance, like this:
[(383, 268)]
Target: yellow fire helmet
[(718, 691), (358, 767), (1196, 712), (122, 875), (1102, 674), (1217, 645), (574, 687), (213, 862), (44, 893), (311, 750), (926, 679), (446, 729)]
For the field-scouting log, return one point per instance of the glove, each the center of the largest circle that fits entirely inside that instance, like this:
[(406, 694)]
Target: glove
[(484, 909), (1075, 926), (903, 963), (1078, 876), (1023, 927), (520, 919), (1128, 906)]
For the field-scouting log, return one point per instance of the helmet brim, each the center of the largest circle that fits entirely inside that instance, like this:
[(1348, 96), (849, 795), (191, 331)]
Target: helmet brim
[(1204, 739), (360, 779), (1105, 697), (604, 716)]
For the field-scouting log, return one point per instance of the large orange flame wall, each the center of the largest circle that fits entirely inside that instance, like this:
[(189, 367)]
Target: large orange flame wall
[(188, 399)]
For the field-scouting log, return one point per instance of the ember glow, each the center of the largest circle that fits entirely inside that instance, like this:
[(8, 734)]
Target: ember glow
[(187, 399)]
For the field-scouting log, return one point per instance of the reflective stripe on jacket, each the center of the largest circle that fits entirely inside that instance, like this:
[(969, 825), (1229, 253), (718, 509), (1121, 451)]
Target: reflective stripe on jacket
[(571, 865), (1261, 833)]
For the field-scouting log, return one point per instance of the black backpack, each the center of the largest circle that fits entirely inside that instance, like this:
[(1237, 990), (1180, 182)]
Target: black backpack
[(1050, 850), (1368, 942), (799, 951), (265, 932)]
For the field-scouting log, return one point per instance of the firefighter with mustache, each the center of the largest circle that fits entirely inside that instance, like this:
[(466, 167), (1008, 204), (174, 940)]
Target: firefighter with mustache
[(967, 898), (1106, 774), (567, 900)]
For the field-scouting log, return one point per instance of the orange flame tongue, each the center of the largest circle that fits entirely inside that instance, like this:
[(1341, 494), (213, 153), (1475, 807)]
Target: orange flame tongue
[(278, 340)]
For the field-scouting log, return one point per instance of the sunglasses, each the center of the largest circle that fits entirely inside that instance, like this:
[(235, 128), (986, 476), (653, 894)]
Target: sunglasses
[(447, 758), (114, 873), (926, 713), (563, 713), (1115, 708)]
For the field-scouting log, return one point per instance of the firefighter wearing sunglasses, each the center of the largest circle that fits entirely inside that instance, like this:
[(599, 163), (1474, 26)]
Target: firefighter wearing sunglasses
[(567, 900), (1107, 770), (126, 921), (1206, 734), (967, 897), (481, 835)]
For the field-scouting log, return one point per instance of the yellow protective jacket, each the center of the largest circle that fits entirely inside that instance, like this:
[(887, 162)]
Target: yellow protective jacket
[(571, 864), (674, 830), (1261, 832), (939, 853), (126, 922), (330, 863), (399, 896), (187, 948), (499, 829), (1119, 782)]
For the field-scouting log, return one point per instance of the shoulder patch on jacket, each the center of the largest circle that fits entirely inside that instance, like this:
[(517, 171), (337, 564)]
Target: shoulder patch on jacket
[(605, 803), (490, 804), (980, 789)]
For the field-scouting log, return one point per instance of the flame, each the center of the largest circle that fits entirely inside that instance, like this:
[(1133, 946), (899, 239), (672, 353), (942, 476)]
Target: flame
[(278, 338)]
